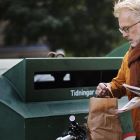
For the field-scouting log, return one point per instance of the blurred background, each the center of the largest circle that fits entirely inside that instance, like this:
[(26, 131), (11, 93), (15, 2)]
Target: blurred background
[(80, 28)]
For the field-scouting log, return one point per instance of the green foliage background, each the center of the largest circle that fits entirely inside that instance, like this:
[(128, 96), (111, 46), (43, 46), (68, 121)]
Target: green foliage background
[(80, 27)]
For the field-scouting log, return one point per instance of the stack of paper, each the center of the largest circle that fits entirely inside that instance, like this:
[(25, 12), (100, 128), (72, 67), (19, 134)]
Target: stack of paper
[(133, 103)]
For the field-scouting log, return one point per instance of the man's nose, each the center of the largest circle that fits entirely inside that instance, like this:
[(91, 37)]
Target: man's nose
[(125, 35)]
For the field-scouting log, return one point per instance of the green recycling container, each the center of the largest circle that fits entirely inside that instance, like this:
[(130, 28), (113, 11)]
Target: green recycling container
[(37, 95)]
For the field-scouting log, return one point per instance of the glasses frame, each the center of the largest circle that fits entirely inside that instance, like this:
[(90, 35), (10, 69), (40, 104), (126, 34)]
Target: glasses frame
[(126, 29)]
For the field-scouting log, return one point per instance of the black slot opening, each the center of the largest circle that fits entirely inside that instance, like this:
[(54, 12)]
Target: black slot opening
[(69, 79)]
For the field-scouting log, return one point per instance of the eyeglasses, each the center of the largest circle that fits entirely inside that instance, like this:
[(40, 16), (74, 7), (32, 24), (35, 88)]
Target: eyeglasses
[(126, 29)]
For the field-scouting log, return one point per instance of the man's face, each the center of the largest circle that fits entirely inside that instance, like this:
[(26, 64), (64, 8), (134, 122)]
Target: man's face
[(130, 27)]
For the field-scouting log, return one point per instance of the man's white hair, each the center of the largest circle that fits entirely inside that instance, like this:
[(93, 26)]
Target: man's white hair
[(133, 5)]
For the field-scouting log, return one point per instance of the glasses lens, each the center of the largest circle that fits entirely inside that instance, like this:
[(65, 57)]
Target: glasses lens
[(126, 29), (122, 30)]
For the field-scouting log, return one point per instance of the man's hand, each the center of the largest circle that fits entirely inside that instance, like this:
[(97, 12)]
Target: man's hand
[(103, 90)]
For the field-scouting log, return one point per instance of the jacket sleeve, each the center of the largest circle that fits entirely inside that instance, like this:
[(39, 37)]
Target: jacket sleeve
[(116, 84)]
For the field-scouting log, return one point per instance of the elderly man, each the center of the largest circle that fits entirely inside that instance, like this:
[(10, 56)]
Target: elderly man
[(128, 14)]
